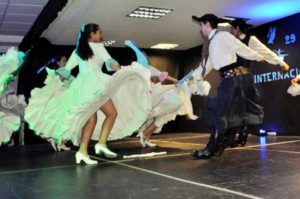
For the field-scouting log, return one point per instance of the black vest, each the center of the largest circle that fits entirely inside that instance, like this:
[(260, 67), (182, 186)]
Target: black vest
[(241, 61)]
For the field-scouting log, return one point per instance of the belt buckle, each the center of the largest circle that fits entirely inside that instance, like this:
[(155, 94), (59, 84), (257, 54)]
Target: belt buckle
[(236, 72)]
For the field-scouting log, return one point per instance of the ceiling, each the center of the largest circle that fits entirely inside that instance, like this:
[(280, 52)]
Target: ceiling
[(16, 19), (176, 27)]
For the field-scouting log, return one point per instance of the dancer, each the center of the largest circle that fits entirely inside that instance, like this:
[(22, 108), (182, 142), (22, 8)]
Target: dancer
[(9, 64), (12, 108), (168, 102), (75, 109), (48, 92), (11, 105), (228, 109), (240, 31), (58, 62)]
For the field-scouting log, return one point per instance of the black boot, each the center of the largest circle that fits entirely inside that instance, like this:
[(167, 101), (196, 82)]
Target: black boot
[(229, 137), (202, 153), (243, 136), (221, 143), (213, 147)]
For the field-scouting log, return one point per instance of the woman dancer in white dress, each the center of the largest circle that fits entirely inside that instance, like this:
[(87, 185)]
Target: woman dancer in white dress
[(168, 102), (74, 110), (11, 105), (47, 93)]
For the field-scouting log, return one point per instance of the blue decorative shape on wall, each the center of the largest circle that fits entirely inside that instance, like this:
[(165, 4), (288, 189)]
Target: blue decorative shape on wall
[(271, 35), (280, 52)]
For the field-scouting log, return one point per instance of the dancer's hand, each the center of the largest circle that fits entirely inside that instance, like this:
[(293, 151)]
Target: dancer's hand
[(285, 68), (116, 67), (294, 81), (191, 78)]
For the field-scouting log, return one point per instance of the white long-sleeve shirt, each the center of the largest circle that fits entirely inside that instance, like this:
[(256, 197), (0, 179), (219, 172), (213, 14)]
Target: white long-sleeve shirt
[(263, 50), (223, 51)]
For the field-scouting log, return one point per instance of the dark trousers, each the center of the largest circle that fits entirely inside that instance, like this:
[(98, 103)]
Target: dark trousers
[(236, 105)]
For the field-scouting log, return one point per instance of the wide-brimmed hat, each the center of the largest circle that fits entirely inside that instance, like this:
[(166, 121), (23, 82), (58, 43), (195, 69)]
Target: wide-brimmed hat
[(240, 23), (208, 17)]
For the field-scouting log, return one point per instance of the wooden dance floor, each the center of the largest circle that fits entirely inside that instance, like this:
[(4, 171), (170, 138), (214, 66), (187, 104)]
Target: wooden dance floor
[(268, 167)]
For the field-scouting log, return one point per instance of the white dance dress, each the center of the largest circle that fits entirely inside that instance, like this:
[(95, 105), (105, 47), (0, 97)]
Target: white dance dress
[(9, 63), (11, 105), (170, 101), (11, 113)]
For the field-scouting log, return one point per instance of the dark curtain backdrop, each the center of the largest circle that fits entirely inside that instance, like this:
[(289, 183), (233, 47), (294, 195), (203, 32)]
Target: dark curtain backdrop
[(281, 109)]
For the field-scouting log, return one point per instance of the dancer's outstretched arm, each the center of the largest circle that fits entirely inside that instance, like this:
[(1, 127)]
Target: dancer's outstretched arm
[(269, 55), (101, 52)]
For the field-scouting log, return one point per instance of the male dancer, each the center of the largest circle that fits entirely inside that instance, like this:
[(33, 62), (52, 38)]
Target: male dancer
[(240, 30), (228, 109)]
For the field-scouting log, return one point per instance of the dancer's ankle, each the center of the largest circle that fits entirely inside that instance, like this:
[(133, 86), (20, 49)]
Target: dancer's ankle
[(102, 143), (83, 149), (83, 152)]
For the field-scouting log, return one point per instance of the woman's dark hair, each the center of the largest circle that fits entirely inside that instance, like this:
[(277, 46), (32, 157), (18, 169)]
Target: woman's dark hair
[(83, 48), (58, 58)]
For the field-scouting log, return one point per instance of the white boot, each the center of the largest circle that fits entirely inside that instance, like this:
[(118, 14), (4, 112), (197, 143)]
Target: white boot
[(142, 139), (149, 144), (53, 143), (86, 159), (103, 148), (62, 146)]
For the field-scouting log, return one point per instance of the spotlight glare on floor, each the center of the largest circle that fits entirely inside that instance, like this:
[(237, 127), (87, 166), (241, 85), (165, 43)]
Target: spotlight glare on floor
[(262, 132)]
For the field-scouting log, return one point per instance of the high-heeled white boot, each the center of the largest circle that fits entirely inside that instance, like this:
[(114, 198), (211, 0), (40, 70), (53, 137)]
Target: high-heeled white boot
[(149, 144), (63, 147), (142, 139), (103, 148), (53, 143), (86, 159), (144, 142)]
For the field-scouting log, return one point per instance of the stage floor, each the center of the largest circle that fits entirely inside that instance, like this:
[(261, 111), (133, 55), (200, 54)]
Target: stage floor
[(268, 167)]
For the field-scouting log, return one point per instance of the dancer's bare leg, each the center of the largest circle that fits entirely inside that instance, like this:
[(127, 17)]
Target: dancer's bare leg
[(88, 130), (110, 112), (149, 131), (144, 139)]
